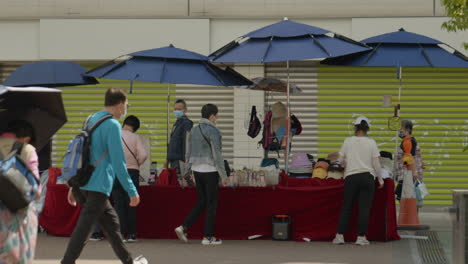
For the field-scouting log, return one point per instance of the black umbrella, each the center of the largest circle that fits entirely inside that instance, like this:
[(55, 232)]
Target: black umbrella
[(42, 107)]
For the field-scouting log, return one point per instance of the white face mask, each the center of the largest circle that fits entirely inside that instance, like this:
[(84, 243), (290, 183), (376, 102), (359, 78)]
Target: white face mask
[(124, 114)]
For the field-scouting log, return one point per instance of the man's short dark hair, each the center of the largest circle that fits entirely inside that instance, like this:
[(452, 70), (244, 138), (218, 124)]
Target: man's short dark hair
[(115, 96), (132, 121), (363, 126), (408, 125), (21, 129), (181, 101), (208, 110)]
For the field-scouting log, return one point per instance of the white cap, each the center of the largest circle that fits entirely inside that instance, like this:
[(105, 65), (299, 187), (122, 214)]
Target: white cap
[(360, 119)]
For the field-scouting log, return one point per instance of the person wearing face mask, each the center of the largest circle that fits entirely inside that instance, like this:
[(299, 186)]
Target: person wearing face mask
[(204, 156), (178, 140), (408, 158), (107, 146)]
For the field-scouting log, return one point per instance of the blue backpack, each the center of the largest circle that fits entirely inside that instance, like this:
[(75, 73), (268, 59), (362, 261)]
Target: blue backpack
[(18, 185), (77, 168)]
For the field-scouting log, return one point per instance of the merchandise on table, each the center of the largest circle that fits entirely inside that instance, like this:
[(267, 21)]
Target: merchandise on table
[(301, 166), (321, 169)]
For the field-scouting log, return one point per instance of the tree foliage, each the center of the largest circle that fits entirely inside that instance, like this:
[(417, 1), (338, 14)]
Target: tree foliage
[(457, 11)]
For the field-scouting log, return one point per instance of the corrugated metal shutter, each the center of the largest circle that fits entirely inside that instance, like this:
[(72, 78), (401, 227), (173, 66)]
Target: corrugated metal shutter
[(435, 99), (223, 97), (303, 105)]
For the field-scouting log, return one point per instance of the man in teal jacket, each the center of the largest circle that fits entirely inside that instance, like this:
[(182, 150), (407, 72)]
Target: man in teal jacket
[(106, 144)]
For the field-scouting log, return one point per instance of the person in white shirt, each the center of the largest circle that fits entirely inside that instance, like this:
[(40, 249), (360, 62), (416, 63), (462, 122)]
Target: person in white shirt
[(360, 157)]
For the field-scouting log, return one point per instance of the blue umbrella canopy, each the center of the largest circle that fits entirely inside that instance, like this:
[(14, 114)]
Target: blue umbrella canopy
[(286, 41), (49, 74), (169, 65), (404, 49)]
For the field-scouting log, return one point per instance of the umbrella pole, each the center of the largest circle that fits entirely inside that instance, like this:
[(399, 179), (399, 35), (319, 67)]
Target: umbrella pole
[(399, 73), (288, 121), (167, 115)]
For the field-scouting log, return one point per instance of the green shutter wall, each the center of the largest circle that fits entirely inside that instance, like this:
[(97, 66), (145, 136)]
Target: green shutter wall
[(435, 99)]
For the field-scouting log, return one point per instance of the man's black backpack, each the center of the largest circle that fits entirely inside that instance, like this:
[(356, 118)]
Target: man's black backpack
[(254, 126)]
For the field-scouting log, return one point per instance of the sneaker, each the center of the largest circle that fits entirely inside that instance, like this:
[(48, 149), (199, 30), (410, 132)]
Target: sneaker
[(362, 241), (96, 237), (339, 239), (181, 234), (131, 239), (140, 260), (211, 241)]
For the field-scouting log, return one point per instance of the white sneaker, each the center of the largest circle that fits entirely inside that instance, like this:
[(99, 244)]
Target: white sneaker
[(140, 260), (339, 239), (362, 241), (212, 241), (131, 239), (180, 232)]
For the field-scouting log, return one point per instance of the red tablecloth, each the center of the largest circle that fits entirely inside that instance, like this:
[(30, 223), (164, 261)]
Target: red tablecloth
[(242, 211)]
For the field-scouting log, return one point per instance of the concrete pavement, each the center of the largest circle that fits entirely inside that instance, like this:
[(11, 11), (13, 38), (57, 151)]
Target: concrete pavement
[(50, 249)]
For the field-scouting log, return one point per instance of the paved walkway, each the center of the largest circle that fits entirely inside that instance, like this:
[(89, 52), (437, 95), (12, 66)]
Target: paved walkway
[(50, 249)]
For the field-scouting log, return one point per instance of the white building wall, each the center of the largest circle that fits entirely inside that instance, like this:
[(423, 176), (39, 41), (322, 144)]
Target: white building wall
[(215, 8), (19, 40), (104, 39)]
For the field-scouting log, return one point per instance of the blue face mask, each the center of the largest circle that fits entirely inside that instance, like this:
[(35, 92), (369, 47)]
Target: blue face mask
[(401, 134), (178, 114)]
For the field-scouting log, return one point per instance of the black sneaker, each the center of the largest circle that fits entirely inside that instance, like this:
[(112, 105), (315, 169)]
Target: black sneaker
[(96, 237)]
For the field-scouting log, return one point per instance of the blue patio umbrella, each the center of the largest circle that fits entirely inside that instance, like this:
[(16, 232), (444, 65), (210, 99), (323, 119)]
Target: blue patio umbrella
[(169, 65), (403, 49), (287, 41), (49, 74)]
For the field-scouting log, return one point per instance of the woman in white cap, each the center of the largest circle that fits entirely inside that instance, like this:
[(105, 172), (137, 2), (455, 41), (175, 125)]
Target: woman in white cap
[(360, 157)]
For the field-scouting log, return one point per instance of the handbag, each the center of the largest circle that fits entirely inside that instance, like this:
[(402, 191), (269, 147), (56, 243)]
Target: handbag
[(226, 163), (296, 124), (254, 125), (269, 162), (421, 188), (18, 185)]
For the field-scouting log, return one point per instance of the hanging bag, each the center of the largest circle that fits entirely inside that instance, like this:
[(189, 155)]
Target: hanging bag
[(254, 125)]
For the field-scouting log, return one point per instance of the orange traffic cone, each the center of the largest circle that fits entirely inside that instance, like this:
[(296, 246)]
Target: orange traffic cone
[(408, 217)]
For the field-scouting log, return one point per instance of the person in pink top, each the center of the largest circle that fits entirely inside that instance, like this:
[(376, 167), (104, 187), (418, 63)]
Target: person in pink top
[(135, 155), (18, 231)]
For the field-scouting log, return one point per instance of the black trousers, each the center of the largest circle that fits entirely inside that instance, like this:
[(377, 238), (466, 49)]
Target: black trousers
[(207, 191), (126, 213), (358, 187), (96, 209)]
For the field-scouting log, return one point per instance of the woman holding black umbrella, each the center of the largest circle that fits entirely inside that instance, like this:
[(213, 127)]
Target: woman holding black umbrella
[(18, 230)]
